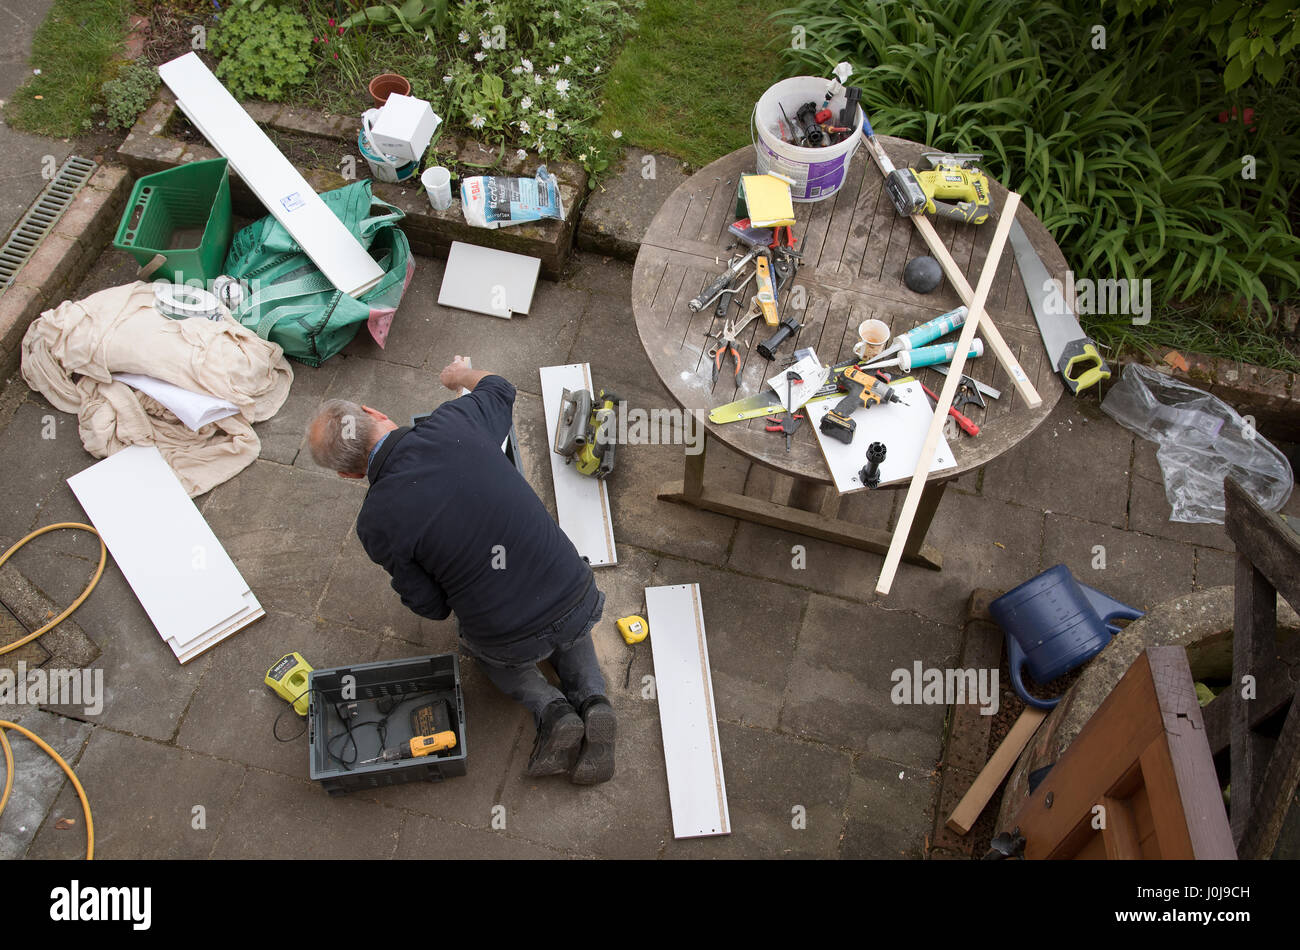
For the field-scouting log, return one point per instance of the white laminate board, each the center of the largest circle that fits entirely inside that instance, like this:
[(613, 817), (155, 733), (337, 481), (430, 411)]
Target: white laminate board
[(902, 428), (581, 503), (485, 280), (270, 176), (697, 789), (251, 611), (177, 568)]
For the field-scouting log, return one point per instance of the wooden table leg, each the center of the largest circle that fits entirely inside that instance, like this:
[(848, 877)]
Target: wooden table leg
[(931, 495), (691, 490)]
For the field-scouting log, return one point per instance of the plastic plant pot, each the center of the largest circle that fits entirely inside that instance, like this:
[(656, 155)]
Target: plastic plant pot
[(383, 86)]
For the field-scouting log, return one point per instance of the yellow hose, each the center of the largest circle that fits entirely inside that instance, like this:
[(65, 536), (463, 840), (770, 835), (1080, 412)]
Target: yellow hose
[(103, 559), (9, 778), (9, 648)]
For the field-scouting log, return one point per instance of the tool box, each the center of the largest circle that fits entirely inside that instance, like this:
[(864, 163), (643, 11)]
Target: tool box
[(390, 694)]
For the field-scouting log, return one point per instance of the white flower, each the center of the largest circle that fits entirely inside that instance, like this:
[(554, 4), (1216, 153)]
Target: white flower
[(538, 80), (526, 102), (484, 40), (549, 113), (477, 121), (517, 70), (524, 126), (527, 64), (551, 44), (568, 61), (480, 56), (562, 87), (551, 126), (521, 154), (463, 37), (582, 157), (596, 70), (556, 14), (553, 69), (447, 80), (617, 133)]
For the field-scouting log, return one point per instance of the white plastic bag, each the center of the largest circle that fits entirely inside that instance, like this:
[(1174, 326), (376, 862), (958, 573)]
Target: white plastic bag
[(1201, 440)]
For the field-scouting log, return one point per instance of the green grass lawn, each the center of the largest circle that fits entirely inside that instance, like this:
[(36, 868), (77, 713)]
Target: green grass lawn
[(75, 50), (686, 83)]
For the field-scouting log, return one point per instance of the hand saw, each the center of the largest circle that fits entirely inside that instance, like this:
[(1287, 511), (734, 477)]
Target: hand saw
[(1071, 352)]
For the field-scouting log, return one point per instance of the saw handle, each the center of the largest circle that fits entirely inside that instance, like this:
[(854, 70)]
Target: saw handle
[(1081, 365)]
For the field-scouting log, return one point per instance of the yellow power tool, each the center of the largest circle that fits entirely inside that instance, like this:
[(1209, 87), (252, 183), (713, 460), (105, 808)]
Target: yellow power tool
[(586, 431), (953, 178)]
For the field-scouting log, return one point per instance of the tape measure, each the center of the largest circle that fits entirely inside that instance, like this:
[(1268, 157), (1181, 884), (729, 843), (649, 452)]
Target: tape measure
[(288, 677), (634, 629), (180, 302)]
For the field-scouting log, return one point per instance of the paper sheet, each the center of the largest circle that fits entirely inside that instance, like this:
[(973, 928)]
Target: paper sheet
[(814, 376), (194, 409)]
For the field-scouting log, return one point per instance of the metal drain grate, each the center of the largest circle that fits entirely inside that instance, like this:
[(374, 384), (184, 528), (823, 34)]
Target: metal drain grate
[(41, 217)]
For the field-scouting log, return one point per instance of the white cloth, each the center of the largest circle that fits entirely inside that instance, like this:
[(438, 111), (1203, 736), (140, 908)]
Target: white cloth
[(70, 353)]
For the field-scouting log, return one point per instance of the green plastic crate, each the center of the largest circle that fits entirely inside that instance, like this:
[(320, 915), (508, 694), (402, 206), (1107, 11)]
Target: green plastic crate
[(182, 213)]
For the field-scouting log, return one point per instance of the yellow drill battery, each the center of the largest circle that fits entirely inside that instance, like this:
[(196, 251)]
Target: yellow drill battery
[(288, 677), (634, 629)]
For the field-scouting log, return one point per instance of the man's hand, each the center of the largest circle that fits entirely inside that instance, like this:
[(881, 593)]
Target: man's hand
[(458, 375)]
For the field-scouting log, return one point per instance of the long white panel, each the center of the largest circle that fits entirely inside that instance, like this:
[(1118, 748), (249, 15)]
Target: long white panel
[(697, 789), (277, 184), (581, 503), (177, 568)]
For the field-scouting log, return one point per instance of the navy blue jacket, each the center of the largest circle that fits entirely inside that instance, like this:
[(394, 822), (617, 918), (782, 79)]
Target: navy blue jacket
[(459, 529)]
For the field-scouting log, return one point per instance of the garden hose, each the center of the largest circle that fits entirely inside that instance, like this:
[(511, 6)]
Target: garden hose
[(99, 571), (9, 778), (9, 648)]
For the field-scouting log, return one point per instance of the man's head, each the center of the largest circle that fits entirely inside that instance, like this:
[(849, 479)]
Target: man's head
[(342, 435)]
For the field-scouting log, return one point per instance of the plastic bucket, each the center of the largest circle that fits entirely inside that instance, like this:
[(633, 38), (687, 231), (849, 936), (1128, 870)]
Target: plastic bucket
[(818, 173), (382, 167)]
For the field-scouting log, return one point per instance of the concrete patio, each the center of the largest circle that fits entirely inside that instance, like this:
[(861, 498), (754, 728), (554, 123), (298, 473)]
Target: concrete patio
[(801, 656)]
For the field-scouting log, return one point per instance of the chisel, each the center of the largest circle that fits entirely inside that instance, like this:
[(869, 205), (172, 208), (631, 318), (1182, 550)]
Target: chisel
[(909, 360)]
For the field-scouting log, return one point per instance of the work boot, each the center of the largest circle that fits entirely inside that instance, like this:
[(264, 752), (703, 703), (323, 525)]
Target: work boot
[(596, 761), (559, 736)]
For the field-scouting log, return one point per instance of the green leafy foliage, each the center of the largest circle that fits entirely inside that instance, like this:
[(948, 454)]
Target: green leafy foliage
[(126, 96), (262, 52), (1254, 38), (1119, 150)]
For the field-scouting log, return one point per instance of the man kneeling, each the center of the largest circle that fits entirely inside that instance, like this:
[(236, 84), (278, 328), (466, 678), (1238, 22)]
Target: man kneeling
[(459, 529)]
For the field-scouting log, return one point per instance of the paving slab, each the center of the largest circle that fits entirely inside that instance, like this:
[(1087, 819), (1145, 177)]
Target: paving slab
[(431, 839), (786, 798), (1149, 507), (38, 778), (886, 811), (176, 806), (620, 208), (1140, 571), (1075, 463), (235, 716), (284, 435), (1214, 568), (751, 627), (282, 817), (841, 681), (36, 465), (985, 543), (281, 525)]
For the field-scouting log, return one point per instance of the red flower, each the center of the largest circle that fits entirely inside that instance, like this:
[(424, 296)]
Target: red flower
[(340, 31), (331, 21)]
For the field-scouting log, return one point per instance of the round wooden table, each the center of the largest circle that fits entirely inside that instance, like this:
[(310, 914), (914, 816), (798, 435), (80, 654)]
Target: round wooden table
[(854, 249)]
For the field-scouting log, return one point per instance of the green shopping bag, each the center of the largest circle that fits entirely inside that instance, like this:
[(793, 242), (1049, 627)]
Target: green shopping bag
[(290, 302)]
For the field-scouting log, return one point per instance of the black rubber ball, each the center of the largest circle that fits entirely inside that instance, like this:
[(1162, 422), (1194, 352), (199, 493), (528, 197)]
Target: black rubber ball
[(922, 274)]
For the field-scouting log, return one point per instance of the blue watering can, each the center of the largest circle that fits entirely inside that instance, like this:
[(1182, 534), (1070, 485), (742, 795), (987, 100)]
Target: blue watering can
[(1055, 624)]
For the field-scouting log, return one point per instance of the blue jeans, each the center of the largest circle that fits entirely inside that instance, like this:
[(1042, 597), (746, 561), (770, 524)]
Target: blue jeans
[(566, 643)]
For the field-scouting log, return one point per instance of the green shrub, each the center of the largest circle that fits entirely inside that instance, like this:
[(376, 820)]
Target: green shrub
[(126, 96), (1118, 150), (262, 52)]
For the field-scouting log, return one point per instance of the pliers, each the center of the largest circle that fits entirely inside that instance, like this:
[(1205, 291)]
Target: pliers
[(727, 342)]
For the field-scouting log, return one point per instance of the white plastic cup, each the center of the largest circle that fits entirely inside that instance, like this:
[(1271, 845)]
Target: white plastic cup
[(437, 184)]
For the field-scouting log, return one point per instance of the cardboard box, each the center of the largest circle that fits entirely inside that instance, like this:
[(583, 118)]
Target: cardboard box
[(405, 127)]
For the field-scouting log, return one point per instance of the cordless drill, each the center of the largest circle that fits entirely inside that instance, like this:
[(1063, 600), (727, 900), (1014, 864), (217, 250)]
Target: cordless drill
[(862, 389)]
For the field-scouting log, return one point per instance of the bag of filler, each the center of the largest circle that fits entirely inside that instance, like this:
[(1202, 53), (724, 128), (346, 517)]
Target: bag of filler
[(492, 201)]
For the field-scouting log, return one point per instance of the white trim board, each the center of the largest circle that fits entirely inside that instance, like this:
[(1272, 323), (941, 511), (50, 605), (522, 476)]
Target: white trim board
[(581, 503), (901, 427), (270, 176), (177, 568), (485, 280), (697, 789)]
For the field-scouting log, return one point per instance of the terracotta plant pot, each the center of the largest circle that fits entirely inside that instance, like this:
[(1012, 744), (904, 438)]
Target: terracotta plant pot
[(381, 87)]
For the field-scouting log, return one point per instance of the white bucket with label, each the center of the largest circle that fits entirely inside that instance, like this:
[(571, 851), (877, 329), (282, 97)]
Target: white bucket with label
[(382, 167), (818, 173)]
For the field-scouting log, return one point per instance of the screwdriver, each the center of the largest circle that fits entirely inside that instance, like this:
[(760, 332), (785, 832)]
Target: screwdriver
[(927, 332), (928, 356), (417, 747)]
